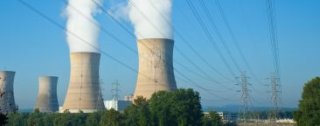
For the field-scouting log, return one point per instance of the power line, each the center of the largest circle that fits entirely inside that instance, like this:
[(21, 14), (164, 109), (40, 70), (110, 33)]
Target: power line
[(102, 28), (245, 96), (215, 29), (115, 90), (273, 35), (208, 35), (206, 77), (189, 45), (73, 34), (275, 78), (234, 38), (123, 27), (104, 53), (275, 96), (204, 89), (178, 50)]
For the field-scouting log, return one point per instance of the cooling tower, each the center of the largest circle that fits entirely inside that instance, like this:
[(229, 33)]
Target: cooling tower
[(155, 67), (84, 90), (7, 103), (47, 100)]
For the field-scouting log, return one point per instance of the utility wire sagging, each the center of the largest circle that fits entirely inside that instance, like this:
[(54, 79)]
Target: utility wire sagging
[(106, 54), (275, 79), (199, 70)]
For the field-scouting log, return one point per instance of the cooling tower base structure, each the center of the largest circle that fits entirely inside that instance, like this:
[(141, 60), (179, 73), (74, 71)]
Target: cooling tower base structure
[(47, 100), (84, 92), (7, 103), (155, 67)]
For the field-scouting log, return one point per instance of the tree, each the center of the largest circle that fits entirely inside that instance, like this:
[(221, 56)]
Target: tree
[(79, 119), (48, 119), (181, 107), (111, 118), (187, 107), (138, 114), (130, 116), (35, 118), (308, 113), (177, 108), (3, 119), (93, 119), (17, 119), (212, 119), (161, 109), (63, 119)]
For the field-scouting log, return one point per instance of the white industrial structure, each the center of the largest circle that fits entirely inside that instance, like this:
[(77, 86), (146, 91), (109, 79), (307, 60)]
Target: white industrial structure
[(118, 105), (155, 67), (84, 92), (47, 100), (7, 102)]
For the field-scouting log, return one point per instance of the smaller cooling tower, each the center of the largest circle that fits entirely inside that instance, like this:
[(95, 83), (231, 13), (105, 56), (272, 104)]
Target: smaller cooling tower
[(155, 67), (47, 98), (7, 103), (84, 90)]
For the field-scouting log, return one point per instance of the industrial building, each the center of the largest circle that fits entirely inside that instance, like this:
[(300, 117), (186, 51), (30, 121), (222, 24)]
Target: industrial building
[(118, 105), (7, 102), (155, 67), (47, 100), (84, 92)]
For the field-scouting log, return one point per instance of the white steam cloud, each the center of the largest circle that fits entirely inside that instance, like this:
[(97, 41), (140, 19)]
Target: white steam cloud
[(151, 18), (78, 12)]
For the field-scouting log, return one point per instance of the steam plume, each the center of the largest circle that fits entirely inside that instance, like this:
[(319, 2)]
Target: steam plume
[(151, 18), (78, 12)]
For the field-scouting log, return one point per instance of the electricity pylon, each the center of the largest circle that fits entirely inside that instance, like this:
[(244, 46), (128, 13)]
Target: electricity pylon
[(275, 96), (245, 96), (115, 90)]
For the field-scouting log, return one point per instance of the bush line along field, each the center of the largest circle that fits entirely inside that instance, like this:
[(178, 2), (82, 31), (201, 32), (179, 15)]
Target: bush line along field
[(178, 108)]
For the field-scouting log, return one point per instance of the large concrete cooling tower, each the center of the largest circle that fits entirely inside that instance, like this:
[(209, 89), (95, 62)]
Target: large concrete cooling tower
[(155, 67), (84, 90), (47, 98), (7, 103)]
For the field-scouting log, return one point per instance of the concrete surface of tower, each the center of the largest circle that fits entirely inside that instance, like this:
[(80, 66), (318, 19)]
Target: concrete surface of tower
[(155, 67), (47, 100), (84, 88), (7, 102), (153, 29)]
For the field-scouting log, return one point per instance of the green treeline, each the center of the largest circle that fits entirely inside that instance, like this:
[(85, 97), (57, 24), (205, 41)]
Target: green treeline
[(178, 108), (308, 113)]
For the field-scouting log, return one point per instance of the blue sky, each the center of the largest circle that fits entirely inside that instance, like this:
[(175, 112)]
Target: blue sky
[(32, 47)]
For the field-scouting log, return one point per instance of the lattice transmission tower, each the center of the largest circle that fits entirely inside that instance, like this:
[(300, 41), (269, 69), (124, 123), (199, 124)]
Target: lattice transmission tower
[(245, 96), (115, 90), (275, 96)]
